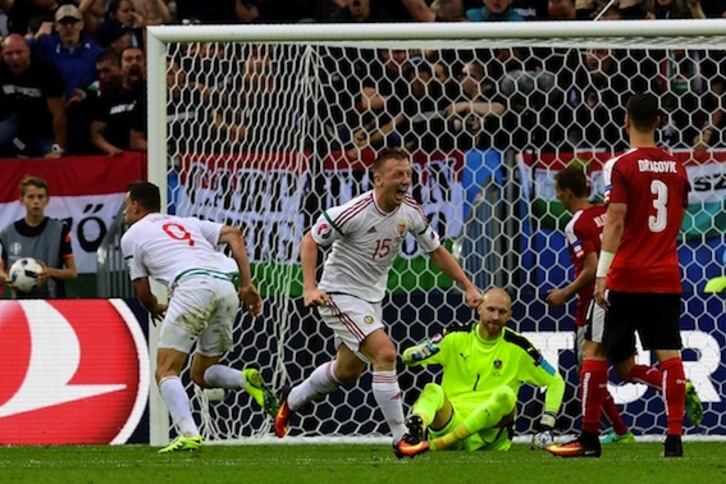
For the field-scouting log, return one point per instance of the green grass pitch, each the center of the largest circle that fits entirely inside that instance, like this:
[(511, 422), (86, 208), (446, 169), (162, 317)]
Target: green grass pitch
[(332, 463)]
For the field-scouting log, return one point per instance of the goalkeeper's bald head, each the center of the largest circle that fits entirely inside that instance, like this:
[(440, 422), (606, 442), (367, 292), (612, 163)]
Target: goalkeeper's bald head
[(494, 312)]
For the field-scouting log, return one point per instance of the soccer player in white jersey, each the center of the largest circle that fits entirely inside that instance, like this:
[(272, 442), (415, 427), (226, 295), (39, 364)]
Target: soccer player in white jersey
[(366, 234), (205, 287)]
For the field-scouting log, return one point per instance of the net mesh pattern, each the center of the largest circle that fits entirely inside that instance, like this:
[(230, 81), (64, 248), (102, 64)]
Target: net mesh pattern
[(266, 136)]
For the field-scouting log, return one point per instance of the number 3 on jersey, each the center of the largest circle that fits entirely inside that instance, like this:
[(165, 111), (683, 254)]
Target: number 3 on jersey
[(178, 232), (383, 247), (657, 223)]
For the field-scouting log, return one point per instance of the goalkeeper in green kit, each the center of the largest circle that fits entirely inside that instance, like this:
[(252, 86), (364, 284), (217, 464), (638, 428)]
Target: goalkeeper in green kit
[(484, 366)]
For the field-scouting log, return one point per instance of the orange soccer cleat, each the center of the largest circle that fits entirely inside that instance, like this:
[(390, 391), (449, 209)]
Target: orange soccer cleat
[(576, 448), (283, 414), (410, 446)]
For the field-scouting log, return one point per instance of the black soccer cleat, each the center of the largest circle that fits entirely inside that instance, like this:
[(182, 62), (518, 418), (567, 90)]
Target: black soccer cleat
[(415, 426), (673, 446), (580, 447)]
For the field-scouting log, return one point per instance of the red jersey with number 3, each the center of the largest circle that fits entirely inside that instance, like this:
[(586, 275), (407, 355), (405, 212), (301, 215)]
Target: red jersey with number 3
[(655, 189)]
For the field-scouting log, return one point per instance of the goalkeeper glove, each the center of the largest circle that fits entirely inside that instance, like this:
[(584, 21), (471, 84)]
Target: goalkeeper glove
[(421, 351), (544, 437)]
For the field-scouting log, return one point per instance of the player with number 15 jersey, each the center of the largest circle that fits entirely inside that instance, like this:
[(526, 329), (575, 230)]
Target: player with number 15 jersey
[(365, 243), (655, 187)]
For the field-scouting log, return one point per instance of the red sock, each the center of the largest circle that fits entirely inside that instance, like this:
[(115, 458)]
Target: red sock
[(649, 375), (594, 381), (674, 392), (612, 414)]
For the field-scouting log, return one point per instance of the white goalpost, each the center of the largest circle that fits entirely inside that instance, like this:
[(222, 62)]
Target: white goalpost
[(265, 126)]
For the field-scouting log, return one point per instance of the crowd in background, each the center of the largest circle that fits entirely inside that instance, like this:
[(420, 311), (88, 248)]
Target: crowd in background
[(73, 74)]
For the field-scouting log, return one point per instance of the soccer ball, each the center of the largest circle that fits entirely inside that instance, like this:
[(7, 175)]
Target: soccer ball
[(23, 274), (542, 440)]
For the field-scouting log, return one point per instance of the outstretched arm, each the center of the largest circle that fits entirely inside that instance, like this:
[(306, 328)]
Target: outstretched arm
[(309, 262), (448, 265), (557, 297), (421, 351), (232, 236)]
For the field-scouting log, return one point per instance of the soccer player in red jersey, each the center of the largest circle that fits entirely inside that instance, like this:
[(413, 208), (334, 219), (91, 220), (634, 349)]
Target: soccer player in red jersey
[(583, 234), (646, 192)]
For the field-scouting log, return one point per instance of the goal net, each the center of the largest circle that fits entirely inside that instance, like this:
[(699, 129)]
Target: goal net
[(263, 127)]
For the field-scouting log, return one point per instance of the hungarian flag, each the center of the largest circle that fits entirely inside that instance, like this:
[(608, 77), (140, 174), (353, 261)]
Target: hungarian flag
[(87, 192)]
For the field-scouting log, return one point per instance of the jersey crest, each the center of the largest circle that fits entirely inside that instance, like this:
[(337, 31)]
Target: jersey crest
[(401, 230)]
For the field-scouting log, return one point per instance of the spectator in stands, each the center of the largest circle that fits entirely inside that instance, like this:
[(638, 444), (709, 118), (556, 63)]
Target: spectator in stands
[(45, 239), (673, 9), (94, 12), (419, 122), (494, 11), (359, 11), (131, 19), (111, 125), (383, 85), (690, 84), (23, 15), (185, 115), (75, 53), (451, 11), (260, 107), (194, 12), (714, 8), (531, 9), (272, 11), (156, 12), (108, 68), (621, 9), (439, 10), (477, 110), (603, 82), (565, 10), (111, 33), (32, 114)]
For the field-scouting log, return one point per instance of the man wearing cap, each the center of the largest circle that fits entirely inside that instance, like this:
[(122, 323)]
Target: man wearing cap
[(75, 54)]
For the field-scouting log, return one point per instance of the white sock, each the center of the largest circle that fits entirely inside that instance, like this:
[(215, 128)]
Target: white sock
[(220, 376), (177, 401), (388, 395), (318, 384)]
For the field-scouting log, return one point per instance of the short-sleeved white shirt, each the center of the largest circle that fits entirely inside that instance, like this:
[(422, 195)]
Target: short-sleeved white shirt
[(365, 243), (164, 246)]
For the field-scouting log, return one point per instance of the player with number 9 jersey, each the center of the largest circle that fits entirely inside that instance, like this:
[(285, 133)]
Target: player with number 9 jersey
[(205, 288), (655, 187), (171, 246)]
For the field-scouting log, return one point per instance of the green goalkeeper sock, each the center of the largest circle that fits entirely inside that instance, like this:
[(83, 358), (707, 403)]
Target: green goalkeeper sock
[(499, 404), (428, 403)]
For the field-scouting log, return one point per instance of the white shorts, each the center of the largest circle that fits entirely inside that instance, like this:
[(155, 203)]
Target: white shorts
[(351, 319), (202, 309)]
